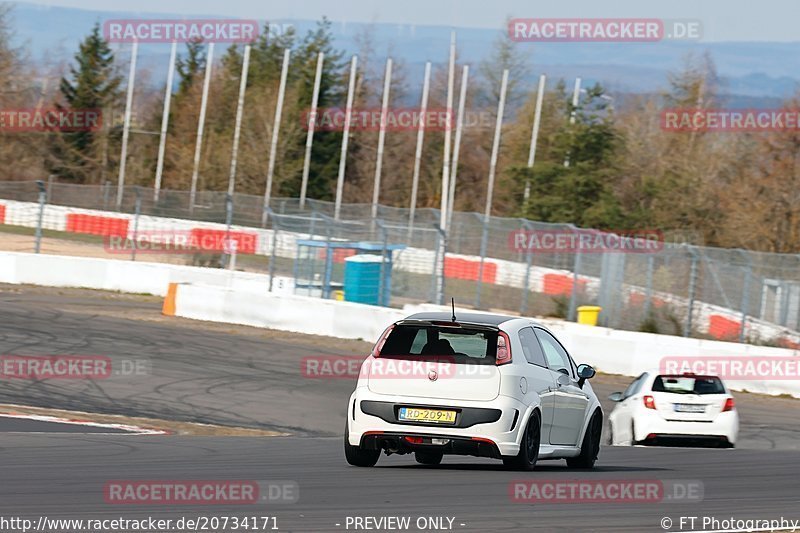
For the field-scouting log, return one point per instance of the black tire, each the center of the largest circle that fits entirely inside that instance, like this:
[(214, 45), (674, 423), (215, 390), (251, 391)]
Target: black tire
[(528, 454), (356, 455), (428, 457), (634, 442), (610, 434), (590, 447)]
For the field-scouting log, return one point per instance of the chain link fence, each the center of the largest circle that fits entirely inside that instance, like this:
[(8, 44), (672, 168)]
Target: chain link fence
[(679, 288)]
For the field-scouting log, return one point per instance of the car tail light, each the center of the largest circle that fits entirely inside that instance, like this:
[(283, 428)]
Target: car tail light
[(503, 349), (729, 405), (414, 440), (649, 402), (376, 351)]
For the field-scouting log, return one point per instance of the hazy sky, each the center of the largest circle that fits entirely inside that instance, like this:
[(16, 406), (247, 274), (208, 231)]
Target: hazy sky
[(723, 20)]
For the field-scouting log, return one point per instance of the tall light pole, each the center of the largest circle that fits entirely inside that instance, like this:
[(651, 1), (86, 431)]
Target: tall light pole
[(276, 128), (312, 121), (201, 126), (376, 187), (126, 129), (537, 119), (237, 128), (345, 137), (423, 110), (442, 247), (162, 142)]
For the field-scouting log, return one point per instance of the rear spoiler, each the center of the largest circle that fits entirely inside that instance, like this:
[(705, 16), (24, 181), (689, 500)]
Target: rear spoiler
[(447, 324)]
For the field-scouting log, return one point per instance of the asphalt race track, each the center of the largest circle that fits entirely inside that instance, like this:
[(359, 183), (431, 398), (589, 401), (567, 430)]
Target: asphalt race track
[(235, 376), (63, 476)]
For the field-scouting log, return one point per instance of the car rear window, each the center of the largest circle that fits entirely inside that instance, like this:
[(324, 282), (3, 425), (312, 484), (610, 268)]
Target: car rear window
[(689, 385), (463, 345)]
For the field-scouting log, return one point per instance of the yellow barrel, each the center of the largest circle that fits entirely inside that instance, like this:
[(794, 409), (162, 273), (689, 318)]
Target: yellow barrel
[(587, 314)]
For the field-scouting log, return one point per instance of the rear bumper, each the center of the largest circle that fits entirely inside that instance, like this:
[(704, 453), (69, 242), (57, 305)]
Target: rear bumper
[(455, 445), (654, 427), (485, 429)]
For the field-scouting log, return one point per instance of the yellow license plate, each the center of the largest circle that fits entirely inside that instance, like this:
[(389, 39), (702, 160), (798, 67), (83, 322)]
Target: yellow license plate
[(437, 416)]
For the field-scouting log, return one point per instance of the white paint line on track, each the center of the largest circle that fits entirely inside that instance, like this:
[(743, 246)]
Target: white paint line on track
[(132, 430)]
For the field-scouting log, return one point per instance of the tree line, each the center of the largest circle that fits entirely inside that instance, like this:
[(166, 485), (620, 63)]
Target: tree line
[(625, 172)]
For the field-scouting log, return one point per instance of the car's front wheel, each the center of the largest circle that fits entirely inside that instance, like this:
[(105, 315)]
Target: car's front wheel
[(590, 447), (358, 456), (529, 447)]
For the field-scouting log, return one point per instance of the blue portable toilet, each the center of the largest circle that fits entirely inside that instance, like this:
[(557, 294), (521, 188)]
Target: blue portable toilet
[(362, 279)]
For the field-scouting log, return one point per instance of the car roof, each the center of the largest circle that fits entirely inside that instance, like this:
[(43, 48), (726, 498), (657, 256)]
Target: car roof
[(487, 319)]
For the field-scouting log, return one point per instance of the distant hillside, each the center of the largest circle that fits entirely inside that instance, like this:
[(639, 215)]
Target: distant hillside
[(752, 73)]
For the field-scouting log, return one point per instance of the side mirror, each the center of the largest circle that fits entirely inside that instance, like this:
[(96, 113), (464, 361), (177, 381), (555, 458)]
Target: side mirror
[(615, 397), (585, 372)]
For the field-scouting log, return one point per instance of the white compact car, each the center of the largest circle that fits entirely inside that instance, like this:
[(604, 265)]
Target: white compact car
[(477, 384), (664, 409)]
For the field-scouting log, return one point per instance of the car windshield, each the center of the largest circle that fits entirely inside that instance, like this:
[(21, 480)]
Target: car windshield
[(689, 385), (463, 345)]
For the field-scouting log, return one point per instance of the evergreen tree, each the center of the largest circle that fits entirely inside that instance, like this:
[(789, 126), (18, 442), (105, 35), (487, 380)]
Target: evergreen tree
[(327, 144), (92, 85), (188, 68), (580, 193)]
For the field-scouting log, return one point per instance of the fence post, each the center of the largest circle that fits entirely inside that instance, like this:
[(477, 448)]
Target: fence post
[(745, 295), (484, 239), (325, 289), (649, 287), (523, 308), (228, 222), (50, 180), (435, 272), (573, 298), (42, 202), (137, 211), (106, 192), (687, 330), (385, 244), (273, 252)]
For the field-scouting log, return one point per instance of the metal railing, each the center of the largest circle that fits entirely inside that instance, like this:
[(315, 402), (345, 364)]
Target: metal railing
[(637, 291)]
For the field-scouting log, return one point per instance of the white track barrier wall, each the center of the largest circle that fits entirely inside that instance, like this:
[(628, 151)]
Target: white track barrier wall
[(415, 260), (242, 298), (124, 276), (611, 351)]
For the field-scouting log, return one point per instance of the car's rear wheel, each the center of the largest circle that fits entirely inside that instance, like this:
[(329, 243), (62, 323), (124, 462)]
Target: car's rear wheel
[(590, 447), (358, 456), (528, 448), (428, 457)]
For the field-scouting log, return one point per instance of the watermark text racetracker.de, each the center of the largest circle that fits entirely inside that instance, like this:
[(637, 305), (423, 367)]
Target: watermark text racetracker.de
[(586, 241), (200, 492), (432, 368), (619, 30), (396, 119), (33, 120), (730, 120), (181, 31), (36, 367), (756, 368), (181, 242), (621, 491)]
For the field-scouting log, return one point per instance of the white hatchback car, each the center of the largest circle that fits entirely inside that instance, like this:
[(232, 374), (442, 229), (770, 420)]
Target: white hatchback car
[(479, 384), (664, 409)]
